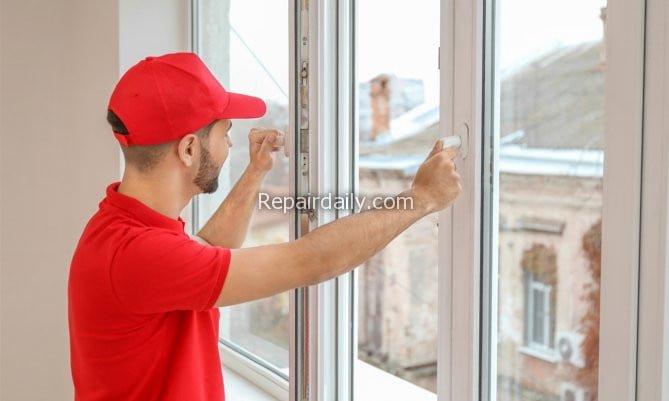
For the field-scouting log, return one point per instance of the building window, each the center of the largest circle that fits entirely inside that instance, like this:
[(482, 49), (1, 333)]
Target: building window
[(540, 275), (538, 314)]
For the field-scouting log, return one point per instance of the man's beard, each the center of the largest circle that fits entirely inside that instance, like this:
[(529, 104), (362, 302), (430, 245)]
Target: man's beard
[(207, 174)]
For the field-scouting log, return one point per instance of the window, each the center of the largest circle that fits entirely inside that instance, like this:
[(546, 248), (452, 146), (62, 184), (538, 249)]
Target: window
[(538, 315), (540, 276), (506, 284), (398, 108), (246, 59)]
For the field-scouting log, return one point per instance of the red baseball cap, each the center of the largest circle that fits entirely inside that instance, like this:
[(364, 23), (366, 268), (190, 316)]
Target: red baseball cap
[(161, 99)]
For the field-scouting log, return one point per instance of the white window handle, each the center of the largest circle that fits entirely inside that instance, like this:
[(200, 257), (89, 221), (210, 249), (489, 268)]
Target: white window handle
[(459, 141), (453, 142)]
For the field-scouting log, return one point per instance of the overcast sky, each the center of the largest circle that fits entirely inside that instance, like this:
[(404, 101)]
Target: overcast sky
[(400, 37)]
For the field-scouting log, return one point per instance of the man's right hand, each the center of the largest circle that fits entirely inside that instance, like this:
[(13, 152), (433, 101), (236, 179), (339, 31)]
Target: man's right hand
[(436, 184)]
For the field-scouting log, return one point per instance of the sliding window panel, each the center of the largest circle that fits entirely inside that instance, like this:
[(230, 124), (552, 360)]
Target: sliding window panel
[(397, 80), (549, 132), (232, 38), (551, 158)]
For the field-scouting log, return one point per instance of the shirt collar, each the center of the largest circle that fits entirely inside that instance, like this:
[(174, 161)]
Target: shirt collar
[(139, 210)]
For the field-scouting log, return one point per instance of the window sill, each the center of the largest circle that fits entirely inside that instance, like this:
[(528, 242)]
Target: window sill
[(373, 383), (245, 380), (239, 388), (548, 356)]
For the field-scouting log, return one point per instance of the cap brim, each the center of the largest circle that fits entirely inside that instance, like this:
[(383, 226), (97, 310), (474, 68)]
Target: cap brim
[(244, 106)]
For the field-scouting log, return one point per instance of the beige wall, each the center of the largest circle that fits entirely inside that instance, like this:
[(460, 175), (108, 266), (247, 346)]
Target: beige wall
[(60, 61)]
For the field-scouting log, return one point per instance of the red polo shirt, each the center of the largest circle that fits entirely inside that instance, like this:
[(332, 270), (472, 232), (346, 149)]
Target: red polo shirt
[(141, 298)]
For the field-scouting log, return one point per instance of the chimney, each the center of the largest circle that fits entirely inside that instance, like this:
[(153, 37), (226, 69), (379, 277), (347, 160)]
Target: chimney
[(379, 92)]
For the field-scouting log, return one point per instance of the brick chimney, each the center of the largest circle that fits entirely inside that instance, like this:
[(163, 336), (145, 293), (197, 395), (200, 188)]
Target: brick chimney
[(379, 92)]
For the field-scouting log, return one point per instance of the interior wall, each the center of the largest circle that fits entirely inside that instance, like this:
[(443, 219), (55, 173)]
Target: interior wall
[(60, 62), (152, 28)]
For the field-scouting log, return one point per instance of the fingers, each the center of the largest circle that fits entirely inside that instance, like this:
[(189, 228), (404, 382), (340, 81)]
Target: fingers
[(450, 153), (438, 147), (268, 141), (445, 162), (272, 142), (258, 136), (280, 141)]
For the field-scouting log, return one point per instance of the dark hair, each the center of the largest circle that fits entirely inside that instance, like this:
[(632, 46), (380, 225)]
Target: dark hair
[(116, 123), (145, 157), (142, 157)]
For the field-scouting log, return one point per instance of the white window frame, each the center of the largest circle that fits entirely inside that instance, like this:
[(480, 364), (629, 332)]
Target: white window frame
[(322, 352), (315, 361), (464, 357), (653, 351), (324, 331), (460, 60)]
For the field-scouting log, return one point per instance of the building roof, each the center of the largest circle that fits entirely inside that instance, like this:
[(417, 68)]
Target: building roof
[(551, 120), (557, 100)]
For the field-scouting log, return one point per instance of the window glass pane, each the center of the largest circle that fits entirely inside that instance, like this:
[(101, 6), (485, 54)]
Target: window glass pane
[(538, 322), (246, 59), (550, 68), (398, 106)]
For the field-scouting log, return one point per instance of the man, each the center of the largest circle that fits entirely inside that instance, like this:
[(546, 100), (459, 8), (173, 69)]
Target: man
[(142, 294)]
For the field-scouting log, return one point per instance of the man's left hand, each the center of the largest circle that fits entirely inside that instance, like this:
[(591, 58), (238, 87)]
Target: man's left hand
[(262, 145)]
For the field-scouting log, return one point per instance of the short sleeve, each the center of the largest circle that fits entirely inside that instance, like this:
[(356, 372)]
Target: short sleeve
[(159, 271)]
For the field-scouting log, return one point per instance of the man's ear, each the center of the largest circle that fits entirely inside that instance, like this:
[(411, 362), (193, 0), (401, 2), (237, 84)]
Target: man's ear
[(186, 149)]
